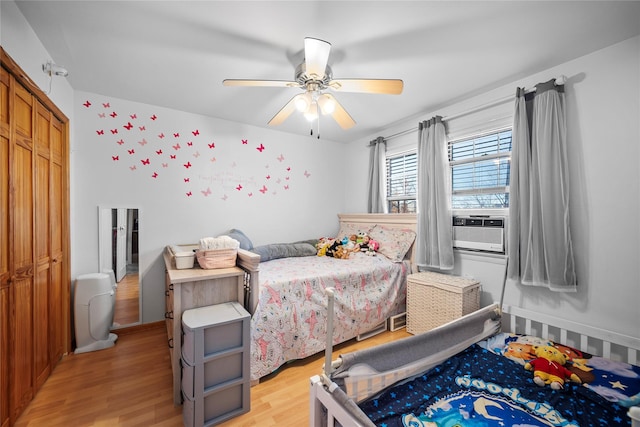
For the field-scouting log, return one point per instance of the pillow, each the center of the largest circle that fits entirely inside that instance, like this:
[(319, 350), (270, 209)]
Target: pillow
[(284, 250), (245, 242), (394, 243), (349, 228)]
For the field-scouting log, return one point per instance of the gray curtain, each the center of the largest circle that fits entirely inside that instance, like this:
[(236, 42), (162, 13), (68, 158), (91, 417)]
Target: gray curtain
[(434, 242), (377, 197), (539, 244)]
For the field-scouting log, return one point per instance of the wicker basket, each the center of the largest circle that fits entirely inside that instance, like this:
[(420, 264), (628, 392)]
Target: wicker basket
[(434, 299), (217, 258)]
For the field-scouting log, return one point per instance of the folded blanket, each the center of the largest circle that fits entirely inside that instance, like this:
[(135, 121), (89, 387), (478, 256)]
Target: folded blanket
[(222, 242)]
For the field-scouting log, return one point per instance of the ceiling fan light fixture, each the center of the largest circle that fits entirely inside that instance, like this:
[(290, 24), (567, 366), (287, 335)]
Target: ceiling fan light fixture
[(303, 101), (327, 104), (312, 112)]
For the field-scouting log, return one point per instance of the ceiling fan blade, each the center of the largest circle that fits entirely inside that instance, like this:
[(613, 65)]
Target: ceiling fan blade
[(285, 111), (316, 56), (384, 86), (255, 83), (340, 115)]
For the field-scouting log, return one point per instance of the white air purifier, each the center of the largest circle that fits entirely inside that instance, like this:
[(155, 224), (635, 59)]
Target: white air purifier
[(94, 303)]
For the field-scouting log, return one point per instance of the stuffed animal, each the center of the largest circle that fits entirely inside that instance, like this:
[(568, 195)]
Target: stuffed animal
[(548, 367)]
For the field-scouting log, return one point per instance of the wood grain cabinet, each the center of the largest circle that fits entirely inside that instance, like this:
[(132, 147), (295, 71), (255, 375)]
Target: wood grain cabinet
[(34, 239)]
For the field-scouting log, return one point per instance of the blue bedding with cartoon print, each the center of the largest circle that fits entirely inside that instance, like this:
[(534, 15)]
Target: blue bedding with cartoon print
[(480, 387)]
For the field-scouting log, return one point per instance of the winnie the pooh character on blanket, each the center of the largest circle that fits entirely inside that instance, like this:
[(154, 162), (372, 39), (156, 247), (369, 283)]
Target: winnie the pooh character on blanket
[(548, 367)]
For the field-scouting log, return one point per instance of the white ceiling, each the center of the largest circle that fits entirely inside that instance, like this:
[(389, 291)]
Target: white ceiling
[(176, 53)]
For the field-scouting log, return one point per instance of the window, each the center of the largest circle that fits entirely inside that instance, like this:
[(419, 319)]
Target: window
[(480, 171), (402, 180)]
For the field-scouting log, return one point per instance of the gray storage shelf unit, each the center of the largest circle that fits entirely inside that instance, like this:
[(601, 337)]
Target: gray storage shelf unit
[(215, 364)]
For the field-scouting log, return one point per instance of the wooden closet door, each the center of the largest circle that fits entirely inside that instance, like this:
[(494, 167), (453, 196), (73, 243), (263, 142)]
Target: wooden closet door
[(21, 228), (5, 274), (58, 295), (42, 277)]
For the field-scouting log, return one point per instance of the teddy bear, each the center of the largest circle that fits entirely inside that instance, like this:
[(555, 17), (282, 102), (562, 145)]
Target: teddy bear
[(548, 367)]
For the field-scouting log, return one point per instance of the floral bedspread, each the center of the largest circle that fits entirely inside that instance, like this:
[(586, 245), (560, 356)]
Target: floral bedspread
[(290, 319)]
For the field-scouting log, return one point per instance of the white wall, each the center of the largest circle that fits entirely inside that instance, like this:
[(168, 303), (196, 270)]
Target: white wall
[(603, 118), (284, 183)]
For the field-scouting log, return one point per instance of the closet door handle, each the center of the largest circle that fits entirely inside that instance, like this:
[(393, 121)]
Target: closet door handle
[(170, 342), (168, 315)]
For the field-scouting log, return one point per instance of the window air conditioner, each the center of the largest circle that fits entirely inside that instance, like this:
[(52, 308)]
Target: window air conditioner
[(479, 233)]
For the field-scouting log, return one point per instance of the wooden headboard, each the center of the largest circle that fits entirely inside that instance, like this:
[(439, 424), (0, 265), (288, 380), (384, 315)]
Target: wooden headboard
[(250, 262), (399, 221)]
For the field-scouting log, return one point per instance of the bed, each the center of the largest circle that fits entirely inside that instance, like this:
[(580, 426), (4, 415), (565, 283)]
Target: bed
[(286, 296), (467, 372)]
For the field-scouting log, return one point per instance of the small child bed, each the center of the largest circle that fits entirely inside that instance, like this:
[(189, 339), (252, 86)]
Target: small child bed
[(471, 372)]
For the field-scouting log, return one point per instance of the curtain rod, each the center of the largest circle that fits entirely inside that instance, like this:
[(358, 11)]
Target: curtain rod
[(559, 81)]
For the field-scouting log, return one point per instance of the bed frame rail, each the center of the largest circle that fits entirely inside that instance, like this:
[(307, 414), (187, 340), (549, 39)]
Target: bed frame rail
[(590, 339)]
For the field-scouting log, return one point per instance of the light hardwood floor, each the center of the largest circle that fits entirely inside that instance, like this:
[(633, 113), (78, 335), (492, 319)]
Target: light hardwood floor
[(130, 385)]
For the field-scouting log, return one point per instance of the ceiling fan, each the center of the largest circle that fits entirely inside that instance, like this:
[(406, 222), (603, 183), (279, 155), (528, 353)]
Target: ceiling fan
[(314, 76)]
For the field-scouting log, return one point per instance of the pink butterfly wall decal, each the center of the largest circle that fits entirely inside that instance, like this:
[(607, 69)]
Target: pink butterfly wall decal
[(268, 177), (176, 135), (102, 115), (286, 187), (161, 136), (133, 167), (145, 161), (212, 145), (120, 142), (155, 175), (114, 131), (133, 116), (158, 152), (245, 142), (206, 192), (142, 128), (87, 104), (260, 148), (177, 146), (114, 114), (187, 179), (132, 151), (263, 190), (115, 158), (196, 154), (250, 194), (280, 158), (100, 132), (195, 132), (143, 142), (190, 144), (153, 117), (224, 197), (307, 174), (128, 126), (165, 165), (213, 159), (172, 156), (187, 165), (188, 193), (106, 105), (239, 187)]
